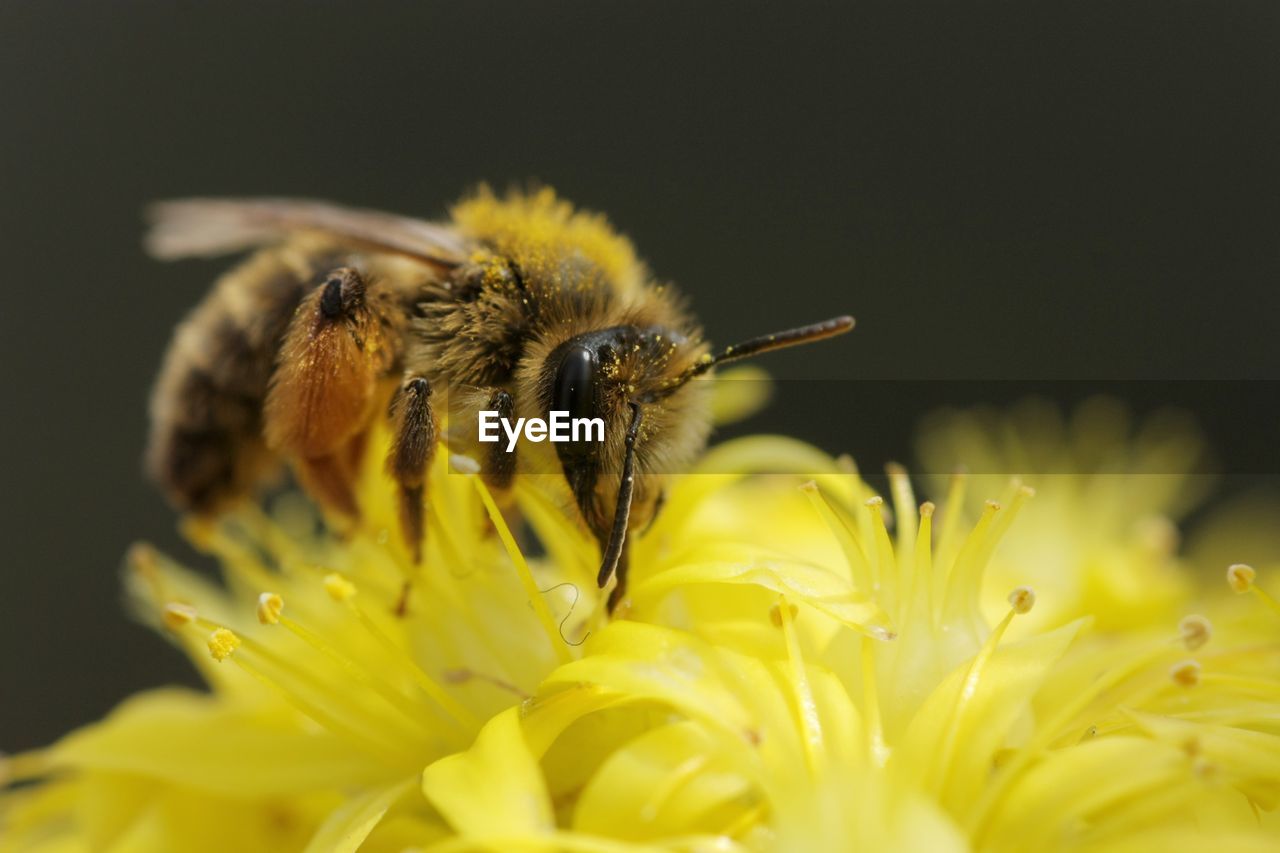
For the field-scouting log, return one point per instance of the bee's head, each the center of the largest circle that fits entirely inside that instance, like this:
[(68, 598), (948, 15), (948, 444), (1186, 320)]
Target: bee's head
[(637, 382), (598, 373)]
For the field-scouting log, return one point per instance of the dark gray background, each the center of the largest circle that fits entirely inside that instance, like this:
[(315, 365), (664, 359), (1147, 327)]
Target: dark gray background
[(996, 190)]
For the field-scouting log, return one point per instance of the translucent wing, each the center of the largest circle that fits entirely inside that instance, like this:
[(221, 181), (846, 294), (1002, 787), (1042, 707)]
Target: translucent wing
[(205, 227)]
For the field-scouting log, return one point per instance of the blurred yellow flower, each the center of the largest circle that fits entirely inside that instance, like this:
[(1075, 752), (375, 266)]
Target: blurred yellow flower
[(802, 665)]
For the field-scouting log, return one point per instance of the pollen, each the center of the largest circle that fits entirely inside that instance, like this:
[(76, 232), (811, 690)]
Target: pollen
[(222, 644), (338, 587), (1185, 673), (927, 509), (1022, 600), (1195, 630), (1241, 577), (270, 606), (177, 616)]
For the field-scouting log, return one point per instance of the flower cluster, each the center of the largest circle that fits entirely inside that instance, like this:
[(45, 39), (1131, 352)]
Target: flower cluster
[(802, 665)]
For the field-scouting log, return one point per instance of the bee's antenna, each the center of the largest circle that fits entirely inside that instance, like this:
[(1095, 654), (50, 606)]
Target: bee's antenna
[(622, 512), (764, 343)]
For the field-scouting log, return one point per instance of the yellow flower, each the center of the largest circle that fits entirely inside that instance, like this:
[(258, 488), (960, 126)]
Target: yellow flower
[(802, 666)]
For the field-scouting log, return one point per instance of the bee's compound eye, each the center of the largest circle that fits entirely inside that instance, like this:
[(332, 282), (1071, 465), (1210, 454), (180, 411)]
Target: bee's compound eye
[(575, 389)]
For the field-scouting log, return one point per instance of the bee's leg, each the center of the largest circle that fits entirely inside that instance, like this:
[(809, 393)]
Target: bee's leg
[(329, 479), (323, 390), (619, 591), (353, 453), (498, 468), (413, 444), (616, 559)]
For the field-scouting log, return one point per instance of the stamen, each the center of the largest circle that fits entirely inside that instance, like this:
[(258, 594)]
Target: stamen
[(963, 579), (463, 675), (886, 565), (463, 464), (394, 755), (1185, 673), (393, 697), (177, 616), (922, 579), (142, 561), (1021, 495), (904, 500), (222, 644), (1241, 577), (270, 606), (539, 604), (1022, 600), (1195, 631), (953, 510), (854, 556), (339, 588), (1159, 535), (1200, 764), (984, 811), (876, 747), (775, 614), (212, 538), (806, 707), (424, 681)]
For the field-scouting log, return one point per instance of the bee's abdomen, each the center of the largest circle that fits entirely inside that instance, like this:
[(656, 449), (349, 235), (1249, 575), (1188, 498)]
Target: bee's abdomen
[(206, 447)]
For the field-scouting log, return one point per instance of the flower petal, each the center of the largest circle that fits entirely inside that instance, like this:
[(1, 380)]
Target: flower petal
[(494, 788)]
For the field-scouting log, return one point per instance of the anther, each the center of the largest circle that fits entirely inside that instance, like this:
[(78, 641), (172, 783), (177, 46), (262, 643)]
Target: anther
[(141, 558), (927, 509), (222, 644), (463, 464), (338, 587), (775, 614), (1159, 534), (1241, 577), (1195, 630), (1186, 673), (1022, 600), (875, 502), (177, 616), (270, 606)]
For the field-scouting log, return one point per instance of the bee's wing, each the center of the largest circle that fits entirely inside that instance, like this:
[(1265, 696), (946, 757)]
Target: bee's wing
[(205, 227)]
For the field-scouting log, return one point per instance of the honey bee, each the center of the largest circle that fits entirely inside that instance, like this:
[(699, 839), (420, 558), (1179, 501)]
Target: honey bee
[(518, 305)]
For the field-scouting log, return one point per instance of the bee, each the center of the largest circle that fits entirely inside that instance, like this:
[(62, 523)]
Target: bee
[(519, 305)]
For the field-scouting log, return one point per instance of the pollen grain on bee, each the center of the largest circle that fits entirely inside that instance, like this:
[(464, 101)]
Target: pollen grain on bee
[(557, 427)]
